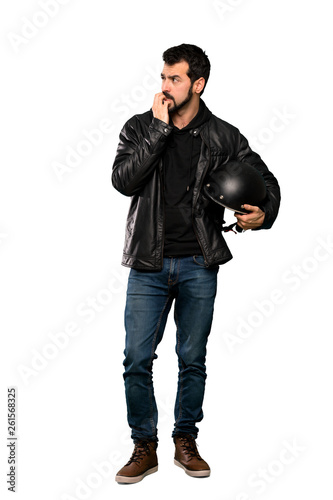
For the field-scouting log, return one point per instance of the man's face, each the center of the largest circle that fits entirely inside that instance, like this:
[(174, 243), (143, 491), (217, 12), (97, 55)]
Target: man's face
[(176, 85)]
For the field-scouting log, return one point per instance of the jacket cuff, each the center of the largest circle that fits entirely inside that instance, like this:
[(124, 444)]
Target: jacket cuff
[(160, 126)]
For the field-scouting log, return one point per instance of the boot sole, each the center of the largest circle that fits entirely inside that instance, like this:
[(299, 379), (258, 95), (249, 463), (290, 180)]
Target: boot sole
[(135, 479), (193, 473)]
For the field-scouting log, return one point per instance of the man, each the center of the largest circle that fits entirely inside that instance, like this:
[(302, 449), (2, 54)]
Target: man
[(174, 247)]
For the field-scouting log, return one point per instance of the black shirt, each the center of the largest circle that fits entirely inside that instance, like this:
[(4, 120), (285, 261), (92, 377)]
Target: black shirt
[(180, 161)]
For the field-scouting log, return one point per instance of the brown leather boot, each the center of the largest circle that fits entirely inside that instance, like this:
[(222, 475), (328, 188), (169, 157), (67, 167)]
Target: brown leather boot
[(187, 456), (142, 462)]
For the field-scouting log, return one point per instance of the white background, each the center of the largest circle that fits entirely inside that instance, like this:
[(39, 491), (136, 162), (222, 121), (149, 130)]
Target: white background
[(61, 239)]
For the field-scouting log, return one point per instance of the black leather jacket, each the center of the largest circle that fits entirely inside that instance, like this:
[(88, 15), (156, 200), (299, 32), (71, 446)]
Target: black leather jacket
[(138, 172)]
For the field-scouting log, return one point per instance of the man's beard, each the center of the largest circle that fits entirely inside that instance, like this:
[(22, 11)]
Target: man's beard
[(179, 106)]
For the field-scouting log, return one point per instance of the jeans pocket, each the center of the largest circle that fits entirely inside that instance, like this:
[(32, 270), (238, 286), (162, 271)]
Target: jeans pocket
[(199, 259)]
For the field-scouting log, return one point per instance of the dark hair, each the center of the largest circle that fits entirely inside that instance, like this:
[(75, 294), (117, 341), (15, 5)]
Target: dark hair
[(199, 65)]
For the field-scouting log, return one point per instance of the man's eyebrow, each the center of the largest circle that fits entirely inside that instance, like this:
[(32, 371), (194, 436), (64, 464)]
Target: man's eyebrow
[(172, 76)]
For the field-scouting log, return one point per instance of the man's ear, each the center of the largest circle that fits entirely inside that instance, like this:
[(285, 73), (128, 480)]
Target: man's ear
[(199, 85)]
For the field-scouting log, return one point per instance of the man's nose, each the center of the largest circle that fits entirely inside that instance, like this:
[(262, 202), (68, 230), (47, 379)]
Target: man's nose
[(165, 85)]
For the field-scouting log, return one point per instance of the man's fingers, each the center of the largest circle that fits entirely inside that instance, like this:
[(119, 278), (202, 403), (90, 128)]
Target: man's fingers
[(250, 208), (158, 99), (244, 217), (161, 107), (252, 220)]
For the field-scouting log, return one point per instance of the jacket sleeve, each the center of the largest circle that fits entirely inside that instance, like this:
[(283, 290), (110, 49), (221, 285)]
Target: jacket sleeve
[(137, 154), (272, 202)]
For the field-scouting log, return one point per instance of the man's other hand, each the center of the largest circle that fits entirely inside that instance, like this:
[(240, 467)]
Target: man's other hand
[(252, 220)]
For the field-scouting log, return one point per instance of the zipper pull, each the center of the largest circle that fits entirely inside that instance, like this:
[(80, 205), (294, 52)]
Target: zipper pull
[(188, 188)]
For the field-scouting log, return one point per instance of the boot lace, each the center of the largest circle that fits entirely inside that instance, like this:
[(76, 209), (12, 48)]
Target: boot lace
[(141, 450), (188, 444)]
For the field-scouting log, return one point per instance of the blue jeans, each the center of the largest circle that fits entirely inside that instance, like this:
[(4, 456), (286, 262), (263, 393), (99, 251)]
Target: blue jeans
[(149, 298)]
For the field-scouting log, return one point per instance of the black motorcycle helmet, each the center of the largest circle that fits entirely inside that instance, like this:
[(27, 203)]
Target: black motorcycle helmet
[(235, 183)]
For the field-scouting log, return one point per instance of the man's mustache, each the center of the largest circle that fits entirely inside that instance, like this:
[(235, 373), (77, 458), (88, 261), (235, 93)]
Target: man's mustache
[(168, 96)]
